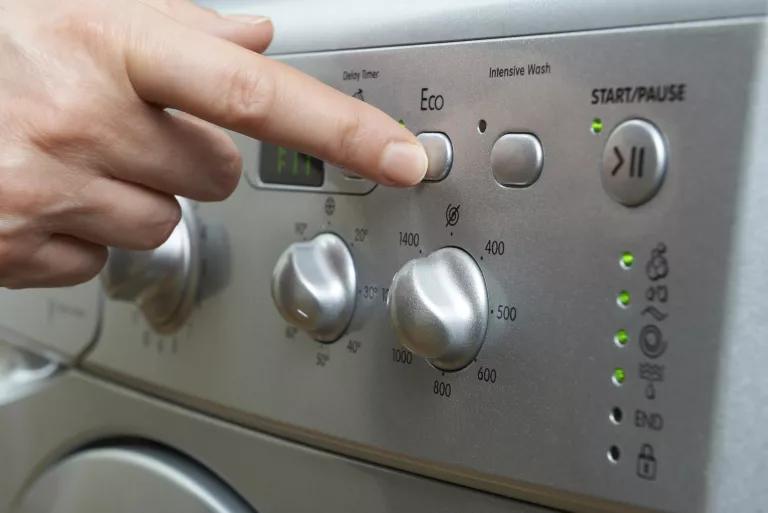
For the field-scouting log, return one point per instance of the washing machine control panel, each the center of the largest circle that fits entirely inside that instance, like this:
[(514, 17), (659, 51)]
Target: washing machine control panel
[(542, 317)]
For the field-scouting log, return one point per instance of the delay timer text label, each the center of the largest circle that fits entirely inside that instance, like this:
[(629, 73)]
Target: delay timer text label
[(658, 93)]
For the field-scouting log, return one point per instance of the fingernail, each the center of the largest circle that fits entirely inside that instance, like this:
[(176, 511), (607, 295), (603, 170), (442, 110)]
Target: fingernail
[(247, 18), (403, 163)]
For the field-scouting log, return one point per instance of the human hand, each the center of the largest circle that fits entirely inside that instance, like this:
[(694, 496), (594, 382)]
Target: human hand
[(90, 158)]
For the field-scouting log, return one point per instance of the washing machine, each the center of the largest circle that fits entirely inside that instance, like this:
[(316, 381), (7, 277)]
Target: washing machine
[(568, 314)]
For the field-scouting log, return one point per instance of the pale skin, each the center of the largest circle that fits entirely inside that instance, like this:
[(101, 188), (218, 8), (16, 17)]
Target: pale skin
[(91, 154)]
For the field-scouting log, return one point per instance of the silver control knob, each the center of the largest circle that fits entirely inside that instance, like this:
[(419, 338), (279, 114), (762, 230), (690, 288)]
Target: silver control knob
[(439, 308), (162, 282), (313, 286)]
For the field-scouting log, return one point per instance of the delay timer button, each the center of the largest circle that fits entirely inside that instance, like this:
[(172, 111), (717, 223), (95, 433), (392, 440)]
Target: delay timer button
[(634, 162), (516, 160), (439, 153)]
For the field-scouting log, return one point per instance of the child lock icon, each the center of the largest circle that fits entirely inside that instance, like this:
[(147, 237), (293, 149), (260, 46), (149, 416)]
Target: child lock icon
[(646, 463)]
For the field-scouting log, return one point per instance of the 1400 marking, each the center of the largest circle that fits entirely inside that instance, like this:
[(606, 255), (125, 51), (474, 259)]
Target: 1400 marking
[(409, 239)]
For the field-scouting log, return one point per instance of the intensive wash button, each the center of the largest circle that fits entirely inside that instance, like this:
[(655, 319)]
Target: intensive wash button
[(634, 162), (439, 153), (516, 160)]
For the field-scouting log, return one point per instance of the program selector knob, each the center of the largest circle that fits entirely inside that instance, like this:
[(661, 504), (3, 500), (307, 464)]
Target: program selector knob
[(439, 308), (313, 286), (162, 282)]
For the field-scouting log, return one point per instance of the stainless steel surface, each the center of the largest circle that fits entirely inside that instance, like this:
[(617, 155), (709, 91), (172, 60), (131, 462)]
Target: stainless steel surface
[(72, 411), (634, 162), (439, 308), (738, 464), (516, 159), (543, 429), (370, 23), (561, 407), (61, 323), (314, 286), (439, 154), (21, 370), (130, 479), (162, 282)]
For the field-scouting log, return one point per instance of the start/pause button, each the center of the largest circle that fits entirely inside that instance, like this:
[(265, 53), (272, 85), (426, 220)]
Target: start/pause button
[(634, 162)]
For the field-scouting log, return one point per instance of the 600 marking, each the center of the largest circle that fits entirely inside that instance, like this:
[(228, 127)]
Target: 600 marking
[(486, 374)]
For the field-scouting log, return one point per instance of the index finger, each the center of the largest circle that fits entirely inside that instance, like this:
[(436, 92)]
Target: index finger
[(175, 66)]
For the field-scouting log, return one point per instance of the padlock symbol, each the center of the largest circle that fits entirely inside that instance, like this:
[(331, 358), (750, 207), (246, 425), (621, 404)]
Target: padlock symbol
[(646, 463)]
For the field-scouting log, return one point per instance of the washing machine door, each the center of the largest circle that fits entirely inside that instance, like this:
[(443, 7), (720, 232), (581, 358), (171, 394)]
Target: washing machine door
[(129, 480)]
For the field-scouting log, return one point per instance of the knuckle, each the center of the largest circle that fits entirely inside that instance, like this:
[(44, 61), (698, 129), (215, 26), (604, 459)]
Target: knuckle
[(14, 258), (248, 99), (68, 127), (227, 176), (91, 266), (348, 137), (23, 202)]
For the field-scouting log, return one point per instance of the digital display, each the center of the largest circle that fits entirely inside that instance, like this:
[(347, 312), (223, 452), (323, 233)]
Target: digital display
[(288, 167)]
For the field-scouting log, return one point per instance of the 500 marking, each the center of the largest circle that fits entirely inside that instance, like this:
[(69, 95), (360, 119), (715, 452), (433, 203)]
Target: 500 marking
[(506, 313)]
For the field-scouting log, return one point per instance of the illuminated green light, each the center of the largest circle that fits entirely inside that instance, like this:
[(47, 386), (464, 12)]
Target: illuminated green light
[(619, 376), (624, 298), (627, 259), (597, 125), (621, 337), (401, 122)]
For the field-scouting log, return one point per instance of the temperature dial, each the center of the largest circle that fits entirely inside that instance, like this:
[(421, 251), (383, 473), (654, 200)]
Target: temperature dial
[(163, 282), (439, 308), (313, 286)]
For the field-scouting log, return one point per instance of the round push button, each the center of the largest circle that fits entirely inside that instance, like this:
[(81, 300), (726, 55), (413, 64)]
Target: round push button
[(516, 160), (439, 154), (634, 162)]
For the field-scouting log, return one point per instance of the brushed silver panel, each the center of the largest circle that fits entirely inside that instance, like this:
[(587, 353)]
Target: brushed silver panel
[(270, 474), (303, 26), (62, 321), (542, 429), (130, 479)]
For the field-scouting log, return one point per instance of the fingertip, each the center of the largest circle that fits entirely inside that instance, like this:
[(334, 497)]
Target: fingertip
[(248, 18), (403, 163), (260, 31)]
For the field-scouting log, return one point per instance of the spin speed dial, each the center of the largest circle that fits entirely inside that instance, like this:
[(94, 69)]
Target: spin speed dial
[(313, 286), (439, 308), (162, 282)]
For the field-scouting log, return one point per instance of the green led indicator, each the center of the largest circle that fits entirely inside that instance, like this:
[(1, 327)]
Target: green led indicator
[(597, 125), (623, 299), (401, 122), (619, 376), (621, 337), (627, 259)]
